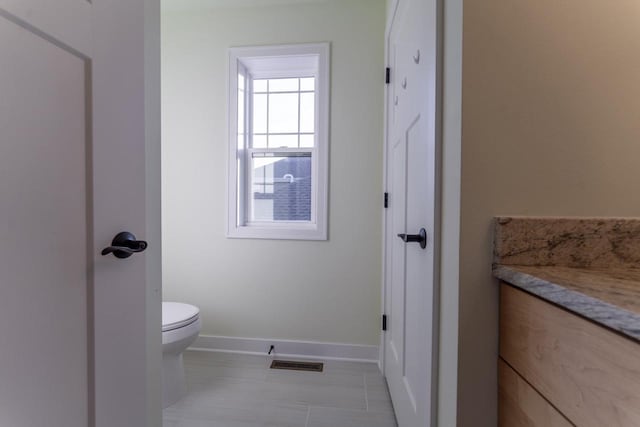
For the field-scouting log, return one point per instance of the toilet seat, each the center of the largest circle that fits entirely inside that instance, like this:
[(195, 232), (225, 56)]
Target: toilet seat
[(181, 325), (177, 315)]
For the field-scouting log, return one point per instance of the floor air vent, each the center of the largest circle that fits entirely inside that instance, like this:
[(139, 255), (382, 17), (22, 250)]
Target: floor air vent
[(297, 366)]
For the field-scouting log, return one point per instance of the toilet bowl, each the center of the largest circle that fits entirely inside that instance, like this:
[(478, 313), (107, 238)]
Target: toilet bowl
[(180, 327)]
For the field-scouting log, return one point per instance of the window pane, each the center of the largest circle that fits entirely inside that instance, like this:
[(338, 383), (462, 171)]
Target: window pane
[(281, 188), (260, 85), (308, 83), (240, 111), (283, 85), (262, 189), (260, 113), (259, 141), (263, 175), (283, 113), (307, 112), (307, 140), (277, 141)]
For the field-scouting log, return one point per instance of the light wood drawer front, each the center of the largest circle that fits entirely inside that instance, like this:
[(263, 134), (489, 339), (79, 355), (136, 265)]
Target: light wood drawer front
[(521, 406), (587, 372)]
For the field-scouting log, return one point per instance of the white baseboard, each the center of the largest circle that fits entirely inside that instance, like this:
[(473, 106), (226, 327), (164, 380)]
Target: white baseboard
[(288, 348)]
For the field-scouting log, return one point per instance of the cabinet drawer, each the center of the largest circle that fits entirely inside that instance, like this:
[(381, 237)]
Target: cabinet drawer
[(520, 405), (590, 374)]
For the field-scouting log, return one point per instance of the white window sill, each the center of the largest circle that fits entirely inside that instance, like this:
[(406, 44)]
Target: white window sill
[(278, 232)]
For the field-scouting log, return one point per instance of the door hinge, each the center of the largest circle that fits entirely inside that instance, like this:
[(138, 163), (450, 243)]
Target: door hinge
[(384, 322), (387, 75), (386, 200)]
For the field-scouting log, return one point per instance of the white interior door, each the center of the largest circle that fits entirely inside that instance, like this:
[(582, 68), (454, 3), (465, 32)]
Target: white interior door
[(410, 273), (76, 157)]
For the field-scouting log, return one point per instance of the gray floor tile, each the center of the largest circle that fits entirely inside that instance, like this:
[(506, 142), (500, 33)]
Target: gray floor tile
[(264, 415), (317, 395), (336, 417), (235, 390), (378, 399), (350, 367)]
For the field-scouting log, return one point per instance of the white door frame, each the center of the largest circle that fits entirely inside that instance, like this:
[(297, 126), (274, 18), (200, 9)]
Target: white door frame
[(153, 205), (134, 26), (392, 7)]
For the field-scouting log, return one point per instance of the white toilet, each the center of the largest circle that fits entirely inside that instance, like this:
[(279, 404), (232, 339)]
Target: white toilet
[(180, 327)]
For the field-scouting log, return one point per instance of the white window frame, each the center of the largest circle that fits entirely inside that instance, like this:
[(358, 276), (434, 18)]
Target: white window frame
[(254, 61)]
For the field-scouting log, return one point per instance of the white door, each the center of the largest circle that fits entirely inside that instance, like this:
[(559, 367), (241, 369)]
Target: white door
[(76, 138), (410, 272)]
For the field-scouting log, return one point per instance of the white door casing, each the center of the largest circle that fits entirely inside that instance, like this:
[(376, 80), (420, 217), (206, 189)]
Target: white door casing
[(410, 342), (78, 158)]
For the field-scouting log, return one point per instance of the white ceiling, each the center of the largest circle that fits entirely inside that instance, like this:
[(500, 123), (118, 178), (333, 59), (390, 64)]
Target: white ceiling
[(182, 5)]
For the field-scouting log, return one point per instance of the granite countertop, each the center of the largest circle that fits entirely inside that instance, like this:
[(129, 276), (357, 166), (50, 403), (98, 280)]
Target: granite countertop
[(610, 297), (590, 266)]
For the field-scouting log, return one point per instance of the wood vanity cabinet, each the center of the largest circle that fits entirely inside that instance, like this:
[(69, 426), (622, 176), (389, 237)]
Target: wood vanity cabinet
[(557, 369)]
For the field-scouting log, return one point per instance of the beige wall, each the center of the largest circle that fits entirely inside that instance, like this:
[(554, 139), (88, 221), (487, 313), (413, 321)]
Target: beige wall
[(450, 214), (300, 290), (551, 126)]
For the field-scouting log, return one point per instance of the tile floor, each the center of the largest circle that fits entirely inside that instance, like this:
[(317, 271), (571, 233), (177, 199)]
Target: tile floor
[(237, 390)]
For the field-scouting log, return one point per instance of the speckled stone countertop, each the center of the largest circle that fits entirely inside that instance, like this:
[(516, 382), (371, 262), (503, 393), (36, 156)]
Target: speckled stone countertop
[(589, 266), (608, 297)]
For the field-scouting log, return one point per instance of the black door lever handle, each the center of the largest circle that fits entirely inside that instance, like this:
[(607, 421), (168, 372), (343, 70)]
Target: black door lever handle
[(124, 245), (421, 238)]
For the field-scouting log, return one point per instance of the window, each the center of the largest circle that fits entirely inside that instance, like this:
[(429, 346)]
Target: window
[(278, 142)]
